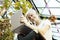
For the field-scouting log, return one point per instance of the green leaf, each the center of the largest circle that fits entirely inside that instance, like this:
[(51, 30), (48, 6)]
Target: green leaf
[(17, 5)]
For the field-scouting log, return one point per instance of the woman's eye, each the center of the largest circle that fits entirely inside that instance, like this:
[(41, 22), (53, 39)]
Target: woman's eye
[(31, 15)]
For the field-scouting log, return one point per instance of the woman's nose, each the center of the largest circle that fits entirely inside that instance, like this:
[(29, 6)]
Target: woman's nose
[(32, 18)]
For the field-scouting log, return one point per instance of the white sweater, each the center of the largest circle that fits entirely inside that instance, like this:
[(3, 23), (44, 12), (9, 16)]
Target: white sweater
[(48, 34)]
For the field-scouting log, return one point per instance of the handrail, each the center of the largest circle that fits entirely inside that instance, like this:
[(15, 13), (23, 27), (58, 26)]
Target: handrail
[(55, 23)]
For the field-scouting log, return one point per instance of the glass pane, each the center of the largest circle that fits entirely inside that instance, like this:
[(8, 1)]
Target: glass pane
[(53, 6), (39, 3)]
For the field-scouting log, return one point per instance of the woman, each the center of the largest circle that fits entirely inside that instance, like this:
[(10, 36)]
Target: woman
[(26, 33), (33, 21)]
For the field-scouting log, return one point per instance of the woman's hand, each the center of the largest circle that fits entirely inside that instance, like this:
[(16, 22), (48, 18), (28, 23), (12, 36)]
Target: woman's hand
[(23, 19)]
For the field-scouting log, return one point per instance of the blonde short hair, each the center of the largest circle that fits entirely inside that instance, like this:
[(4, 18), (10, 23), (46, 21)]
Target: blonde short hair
[(30, 11)]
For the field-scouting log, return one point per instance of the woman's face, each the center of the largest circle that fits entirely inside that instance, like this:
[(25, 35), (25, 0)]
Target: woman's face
[(32, 17)]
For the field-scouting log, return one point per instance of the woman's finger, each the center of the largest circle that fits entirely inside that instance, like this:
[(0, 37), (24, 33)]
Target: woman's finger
[(22, 17), (21, 21)]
